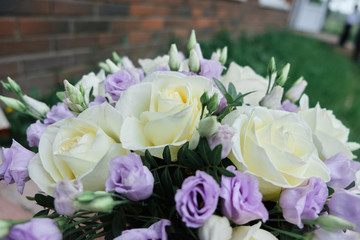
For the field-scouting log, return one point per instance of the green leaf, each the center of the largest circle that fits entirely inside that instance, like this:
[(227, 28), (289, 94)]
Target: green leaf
[(44, 201), (216, 155), (204, 150), (166, 181), (225, 172), (61, 95), (232, 90), (150, 159), (220, 86), (44, 212), (178, 177), (194, 161), (238, 101), (167, 155), (118, 223), (91, 94), (181, 152), (229, 99), (158, 189)]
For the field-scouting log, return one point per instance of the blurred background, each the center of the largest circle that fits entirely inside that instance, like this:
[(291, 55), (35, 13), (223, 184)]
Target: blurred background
[(43, 42)]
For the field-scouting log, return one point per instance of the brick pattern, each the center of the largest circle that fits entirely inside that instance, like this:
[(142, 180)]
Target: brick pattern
[(45, 41)]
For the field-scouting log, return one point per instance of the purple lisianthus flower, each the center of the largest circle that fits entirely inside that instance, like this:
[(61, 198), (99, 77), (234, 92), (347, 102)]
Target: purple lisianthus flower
[(34, 132), (37, 228), (221, 106), (241, 198), (321, 234), (129, 177), (65, 193), (118, 82), (97, 101), (58, 112), (210, 68), (288, 106), (342, 171), (223, 135), (303, 202), (14, 168), (155, 231), (346, 205), (197, 199)]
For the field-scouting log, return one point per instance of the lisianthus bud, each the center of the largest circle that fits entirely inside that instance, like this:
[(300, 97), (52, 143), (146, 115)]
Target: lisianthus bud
[(104, 66), (14, 86), (65, 194), (73, 93), (297, 89), (194, 62), (207, 126), (116, 57), (223, 136), (282, 75), (113, 67), (216, 55), (192, 40), (213, 103), (332, 223), (273, 99), (198, 51), (174, 59), (223, 55), (37, 105), (94, 201), (4, 228), (13, 103), (271, 67)]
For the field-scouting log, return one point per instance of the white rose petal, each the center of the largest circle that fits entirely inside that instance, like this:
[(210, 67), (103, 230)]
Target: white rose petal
[(215, 228), (251, 233)]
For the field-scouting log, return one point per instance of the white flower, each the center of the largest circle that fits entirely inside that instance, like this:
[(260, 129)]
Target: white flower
[(162, 110), (78, 147), (251, 233), (330, 135), (246, 80), (273, 99), (39, 106), (275, 146), (92, 81), (150, 65), (215, 228)]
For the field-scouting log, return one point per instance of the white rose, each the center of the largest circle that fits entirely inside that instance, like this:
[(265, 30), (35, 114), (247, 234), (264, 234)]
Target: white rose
[(92, 81), (246, 80), (162, 110), (78, 148), (275, 146), (330, 135), (150, 65), (251, 233), (215, 228)]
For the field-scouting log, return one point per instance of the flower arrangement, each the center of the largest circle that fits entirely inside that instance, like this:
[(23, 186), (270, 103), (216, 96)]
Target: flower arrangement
[(183, 149)]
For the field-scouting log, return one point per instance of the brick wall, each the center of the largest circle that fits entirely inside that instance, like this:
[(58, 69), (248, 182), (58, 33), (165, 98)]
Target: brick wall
[(44, 41)]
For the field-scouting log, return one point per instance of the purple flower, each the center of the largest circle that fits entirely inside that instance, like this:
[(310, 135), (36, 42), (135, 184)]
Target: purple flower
[(342, 171), (97, 101), (34, 132), (129, 177), (65, 193), (58, 112), (154, 232), (118, 82), (346, 205), (303, 202), (241, 199), (321, 234), (197, 199), (221, 106), (222, 136), (210, 68), (14, 168), (162, 68), (36, 229), (288, 106)]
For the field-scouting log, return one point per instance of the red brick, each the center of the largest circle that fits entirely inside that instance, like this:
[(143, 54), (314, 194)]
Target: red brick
[(153, 24), (196, 13), (25, 7), (120, 25), (141, 10), (7, 27), (72, 8), (203, 22), (8, 69), (22, 47), (75, 72), (29, 26), (139, 37), (109, 39), (62, 43)]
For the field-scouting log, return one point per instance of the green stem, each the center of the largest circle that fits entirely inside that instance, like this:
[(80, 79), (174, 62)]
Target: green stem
[(165, 166), (84, 220), (290, 234)]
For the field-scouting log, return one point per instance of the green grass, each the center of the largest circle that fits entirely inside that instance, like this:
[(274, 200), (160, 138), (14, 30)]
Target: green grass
[(334, 80)]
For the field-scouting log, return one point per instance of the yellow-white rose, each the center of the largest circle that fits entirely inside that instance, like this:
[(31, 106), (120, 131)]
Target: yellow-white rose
[(79, 147), (275, 146), (246, 80), (330, 135), (162, 110), (251, 233)]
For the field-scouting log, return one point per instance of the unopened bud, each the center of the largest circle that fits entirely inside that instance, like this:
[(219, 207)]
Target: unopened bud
[(116, 57), (204, 99), (297, 89), (96, 202), (273, 99), (174, 59), (213, 103), (104, 66), (271, 67), (40, 107), (13, 103), (5, 227), (194, 62), (73, 93), (112, 66), (331, 223), (198, 51), (192, 40), (14, 86), (223, 55), (216, 55), (282, 76), (207, 126)]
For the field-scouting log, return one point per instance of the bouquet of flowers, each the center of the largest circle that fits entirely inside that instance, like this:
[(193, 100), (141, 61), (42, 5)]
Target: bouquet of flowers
[(183, 149)]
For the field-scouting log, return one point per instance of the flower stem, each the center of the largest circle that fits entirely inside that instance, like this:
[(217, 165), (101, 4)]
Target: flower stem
[(290, 234)]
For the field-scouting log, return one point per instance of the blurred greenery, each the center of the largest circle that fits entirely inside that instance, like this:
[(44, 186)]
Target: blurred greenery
[(333, 78), (334, 24)]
